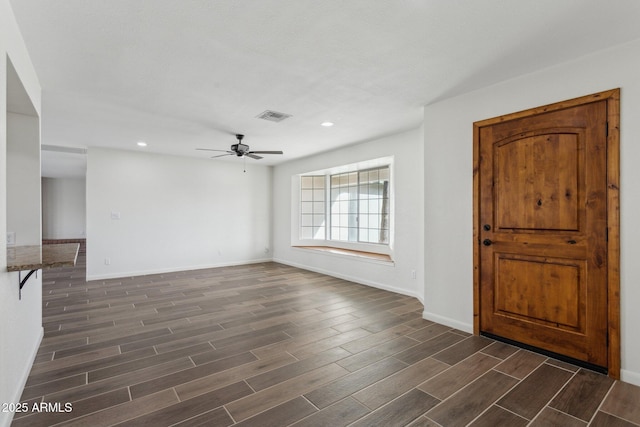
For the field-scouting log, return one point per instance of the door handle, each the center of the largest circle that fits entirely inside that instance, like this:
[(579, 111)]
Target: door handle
[(487, 242)]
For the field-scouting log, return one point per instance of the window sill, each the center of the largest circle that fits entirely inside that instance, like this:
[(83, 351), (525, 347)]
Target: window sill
[(361, 255)]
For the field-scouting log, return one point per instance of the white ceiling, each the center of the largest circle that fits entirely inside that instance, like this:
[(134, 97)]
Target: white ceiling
[(184, 74)]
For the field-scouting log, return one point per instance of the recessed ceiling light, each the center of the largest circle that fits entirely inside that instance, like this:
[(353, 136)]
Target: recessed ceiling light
[(141, 144), (326, 124)]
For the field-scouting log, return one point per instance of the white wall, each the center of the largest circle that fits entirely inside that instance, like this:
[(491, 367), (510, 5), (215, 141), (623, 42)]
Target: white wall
[(448, 181), (23, 178), (176, 213), (63, 208), (407, 185), (20, 320)]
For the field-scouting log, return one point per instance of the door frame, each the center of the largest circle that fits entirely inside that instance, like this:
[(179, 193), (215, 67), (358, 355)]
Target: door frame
[(613, 212)]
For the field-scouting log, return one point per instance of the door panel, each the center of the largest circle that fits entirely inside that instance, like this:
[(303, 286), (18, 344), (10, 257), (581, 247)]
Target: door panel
[(537, 181), (543, 242), (541, 290)]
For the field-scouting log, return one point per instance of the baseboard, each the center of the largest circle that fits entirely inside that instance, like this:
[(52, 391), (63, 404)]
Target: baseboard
[(23, 378), (173, 269), (354, 279), (447, 321), (630, 377)]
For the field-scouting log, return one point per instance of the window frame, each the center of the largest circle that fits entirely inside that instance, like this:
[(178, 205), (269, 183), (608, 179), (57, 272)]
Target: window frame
[(296, 213), (358, 213)]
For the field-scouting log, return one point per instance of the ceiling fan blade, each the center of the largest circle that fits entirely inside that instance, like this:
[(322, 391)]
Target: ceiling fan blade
[(253, 156), (222, 155), (211, 149), (267, 152)]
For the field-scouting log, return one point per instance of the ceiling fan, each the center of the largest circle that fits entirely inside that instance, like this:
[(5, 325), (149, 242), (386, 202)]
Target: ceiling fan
[(240, 150)]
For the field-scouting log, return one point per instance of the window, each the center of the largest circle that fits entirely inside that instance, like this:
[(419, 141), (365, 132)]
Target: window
[(360, 206), (312, 207), (346, 207)]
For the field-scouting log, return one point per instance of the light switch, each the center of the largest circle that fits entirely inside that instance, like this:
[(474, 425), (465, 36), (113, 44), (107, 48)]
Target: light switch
[(115, 215)]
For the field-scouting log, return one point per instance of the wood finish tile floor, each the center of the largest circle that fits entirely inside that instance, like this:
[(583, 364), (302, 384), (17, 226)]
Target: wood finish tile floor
[(272, 345)]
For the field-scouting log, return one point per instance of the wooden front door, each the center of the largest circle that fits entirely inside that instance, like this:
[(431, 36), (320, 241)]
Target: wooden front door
[(542, 255)]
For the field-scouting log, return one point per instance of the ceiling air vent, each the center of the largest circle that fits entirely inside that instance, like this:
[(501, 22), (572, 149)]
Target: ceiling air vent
[(273, 116)]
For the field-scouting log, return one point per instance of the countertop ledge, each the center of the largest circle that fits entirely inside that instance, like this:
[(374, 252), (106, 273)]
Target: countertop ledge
[(20, 258)]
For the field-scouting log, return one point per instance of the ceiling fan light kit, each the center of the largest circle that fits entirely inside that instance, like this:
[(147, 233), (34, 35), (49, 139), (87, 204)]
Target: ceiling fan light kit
[(240, 149)]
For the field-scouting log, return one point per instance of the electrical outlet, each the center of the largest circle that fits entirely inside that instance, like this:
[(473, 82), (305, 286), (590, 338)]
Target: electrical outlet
[(11, 238), (413, 274), (107, 261)]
